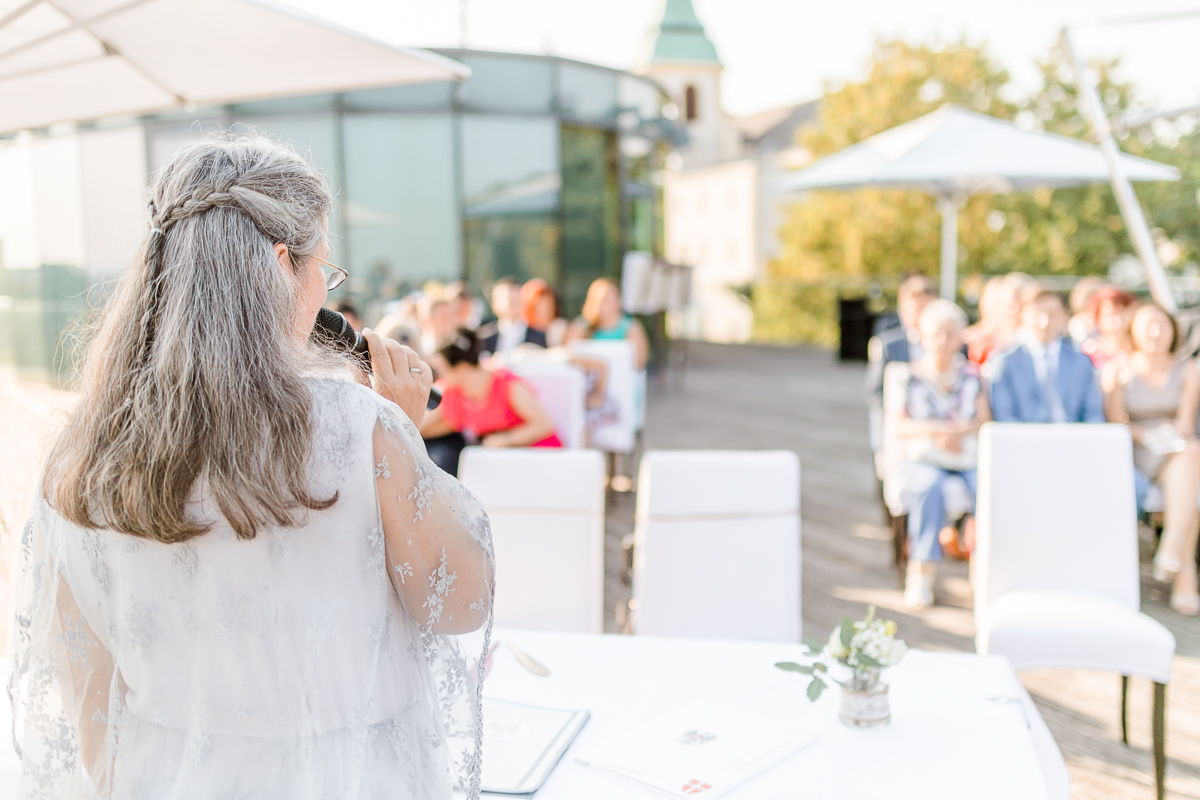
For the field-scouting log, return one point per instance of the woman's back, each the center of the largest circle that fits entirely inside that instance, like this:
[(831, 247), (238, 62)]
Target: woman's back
[(283, 666)]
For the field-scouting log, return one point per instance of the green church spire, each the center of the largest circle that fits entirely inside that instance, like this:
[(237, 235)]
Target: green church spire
[(680, 38)]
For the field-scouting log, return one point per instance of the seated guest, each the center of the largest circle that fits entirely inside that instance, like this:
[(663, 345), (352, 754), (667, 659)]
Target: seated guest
[(1043, 378), (1008, 304), (466, 309), (491, 407), (1082, 325), (900, 344), (539, 309), (945, 403), (979, 336), (1157, 394), (437, 323), (603, 318), (1113, 310), (509, 329)]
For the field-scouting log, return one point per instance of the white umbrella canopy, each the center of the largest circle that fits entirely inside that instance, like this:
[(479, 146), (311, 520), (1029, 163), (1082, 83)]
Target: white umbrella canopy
[(953, 153), (70, 60)]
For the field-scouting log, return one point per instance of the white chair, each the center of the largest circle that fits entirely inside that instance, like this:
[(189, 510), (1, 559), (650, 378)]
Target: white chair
[(1056, 559), (717, 545), (562, 389), (620, 436), (891, 464), (546, 507)]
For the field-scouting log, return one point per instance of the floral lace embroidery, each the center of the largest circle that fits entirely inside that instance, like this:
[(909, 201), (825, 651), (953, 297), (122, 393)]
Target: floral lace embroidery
[(423, 491), (382, 470), (441, 581), (187, 558), (95, 557), (76, 640), (403, 570), (139, 624)]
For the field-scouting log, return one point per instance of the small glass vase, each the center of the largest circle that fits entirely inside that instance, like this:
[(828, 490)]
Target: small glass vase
[(865, 701)]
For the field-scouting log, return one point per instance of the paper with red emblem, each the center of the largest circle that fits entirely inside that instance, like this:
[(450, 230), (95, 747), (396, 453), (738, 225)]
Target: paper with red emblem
[(702, 751)]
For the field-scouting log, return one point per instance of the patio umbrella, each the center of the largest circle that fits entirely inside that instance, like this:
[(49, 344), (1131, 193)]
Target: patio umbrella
[(70, 60), (953, 153)]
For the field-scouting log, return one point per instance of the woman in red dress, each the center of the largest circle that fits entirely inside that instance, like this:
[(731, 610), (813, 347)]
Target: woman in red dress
[(491, 407)]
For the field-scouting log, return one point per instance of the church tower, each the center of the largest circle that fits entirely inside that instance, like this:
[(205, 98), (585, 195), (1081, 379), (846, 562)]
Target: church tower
[(679, 55)]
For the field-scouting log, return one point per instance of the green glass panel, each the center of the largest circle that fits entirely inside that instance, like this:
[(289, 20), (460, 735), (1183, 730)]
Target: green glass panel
[(400, 206), (591, 209), (511, 189)]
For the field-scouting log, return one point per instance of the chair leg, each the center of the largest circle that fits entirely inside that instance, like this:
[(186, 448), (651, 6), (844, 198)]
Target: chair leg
[(900, 545), (1160, 732), (1125, 709)]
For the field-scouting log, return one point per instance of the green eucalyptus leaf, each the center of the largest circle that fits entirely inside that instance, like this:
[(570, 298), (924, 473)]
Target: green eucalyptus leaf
[(815, 688), (847, 633), (867, 661), (791, 666), (814, 646), (820, 666)]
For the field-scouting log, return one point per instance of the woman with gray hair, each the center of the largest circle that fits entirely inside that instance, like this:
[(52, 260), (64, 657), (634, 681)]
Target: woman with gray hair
[(244, 577), (945, 403)]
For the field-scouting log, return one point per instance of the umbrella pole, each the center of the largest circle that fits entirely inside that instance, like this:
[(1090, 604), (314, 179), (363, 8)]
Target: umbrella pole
[(948, 206), (1131, 209)]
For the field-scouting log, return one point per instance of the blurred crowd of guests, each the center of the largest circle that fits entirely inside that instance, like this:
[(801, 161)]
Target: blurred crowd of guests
[(467, 343), (1104, 355)]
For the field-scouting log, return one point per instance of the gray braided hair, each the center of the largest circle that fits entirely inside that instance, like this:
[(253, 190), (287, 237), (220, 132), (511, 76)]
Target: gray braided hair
[(195, 369)]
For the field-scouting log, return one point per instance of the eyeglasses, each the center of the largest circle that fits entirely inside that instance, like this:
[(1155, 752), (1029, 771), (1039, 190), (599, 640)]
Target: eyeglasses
[(333, 276)]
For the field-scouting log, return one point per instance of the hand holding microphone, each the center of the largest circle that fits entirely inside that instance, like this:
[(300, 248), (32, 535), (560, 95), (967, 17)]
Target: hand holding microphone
[(396, 371), (399, 374)]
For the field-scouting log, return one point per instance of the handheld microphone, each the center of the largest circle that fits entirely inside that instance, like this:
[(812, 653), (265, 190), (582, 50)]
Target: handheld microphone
[(333, 330)]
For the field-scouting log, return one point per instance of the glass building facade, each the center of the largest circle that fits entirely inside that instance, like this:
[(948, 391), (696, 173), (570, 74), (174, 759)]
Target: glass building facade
[(534, 166)]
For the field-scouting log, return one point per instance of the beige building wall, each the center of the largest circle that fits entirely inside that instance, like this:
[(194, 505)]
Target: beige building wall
[(712, 224)]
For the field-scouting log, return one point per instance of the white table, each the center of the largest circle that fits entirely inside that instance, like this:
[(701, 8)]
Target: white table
[(947, 739)]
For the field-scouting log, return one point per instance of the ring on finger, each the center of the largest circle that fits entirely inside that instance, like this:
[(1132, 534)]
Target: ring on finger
[(415, 369)]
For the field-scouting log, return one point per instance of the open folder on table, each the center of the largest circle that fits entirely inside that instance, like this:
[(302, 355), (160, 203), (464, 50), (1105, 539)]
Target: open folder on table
[(522, 744), (702, 750)]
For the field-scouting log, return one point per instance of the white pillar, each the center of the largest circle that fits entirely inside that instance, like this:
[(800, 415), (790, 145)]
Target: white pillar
[(948, 205)]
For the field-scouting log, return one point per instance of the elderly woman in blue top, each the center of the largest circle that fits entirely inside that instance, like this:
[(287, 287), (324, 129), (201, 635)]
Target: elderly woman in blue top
[(945, 403)]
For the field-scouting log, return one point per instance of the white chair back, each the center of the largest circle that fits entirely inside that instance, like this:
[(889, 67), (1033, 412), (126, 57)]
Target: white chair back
[(546, 507), (619, 436), (562, 389), (717, 545), (891, 462), (1056, 512)]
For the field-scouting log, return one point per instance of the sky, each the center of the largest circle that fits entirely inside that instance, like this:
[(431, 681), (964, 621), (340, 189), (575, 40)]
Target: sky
[(778, 52)]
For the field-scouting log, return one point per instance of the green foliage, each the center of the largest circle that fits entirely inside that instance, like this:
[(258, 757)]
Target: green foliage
[(833, 243)]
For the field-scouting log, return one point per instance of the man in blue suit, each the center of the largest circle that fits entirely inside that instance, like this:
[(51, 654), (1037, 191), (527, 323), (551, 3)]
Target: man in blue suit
[(1043, 378)]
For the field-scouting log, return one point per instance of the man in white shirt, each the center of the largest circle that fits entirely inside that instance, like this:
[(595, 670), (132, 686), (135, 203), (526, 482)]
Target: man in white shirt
[(509, 329)]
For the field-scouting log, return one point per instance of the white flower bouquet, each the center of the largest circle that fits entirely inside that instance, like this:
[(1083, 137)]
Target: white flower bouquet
[(865, 648)]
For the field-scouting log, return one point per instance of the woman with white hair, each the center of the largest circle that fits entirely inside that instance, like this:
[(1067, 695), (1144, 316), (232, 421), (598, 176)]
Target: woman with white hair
[(945, 403), (244, 577)]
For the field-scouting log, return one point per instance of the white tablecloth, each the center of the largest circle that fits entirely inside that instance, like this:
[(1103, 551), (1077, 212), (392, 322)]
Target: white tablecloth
[(947, 739)]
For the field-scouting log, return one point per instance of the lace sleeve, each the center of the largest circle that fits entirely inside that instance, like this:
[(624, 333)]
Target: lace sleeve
[(440, 560), (59, 680)]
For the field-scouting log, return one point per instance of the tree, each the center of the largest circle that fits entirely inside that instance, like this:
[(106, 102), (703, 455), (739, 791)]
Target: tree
[(838, 241)]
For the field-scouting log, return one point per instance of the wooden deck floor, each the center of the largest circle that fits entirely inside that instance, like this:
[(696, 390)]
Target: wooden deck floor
[(803, 400)]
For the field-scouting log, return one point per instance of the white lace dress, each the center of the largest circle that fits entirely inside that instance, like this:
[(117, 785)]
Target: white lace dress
[(307, 662)]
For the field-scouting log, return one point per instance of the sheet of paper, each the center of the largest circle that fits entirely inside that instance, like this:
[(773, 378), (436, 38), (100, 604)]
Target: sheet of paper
[(702, 750)]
